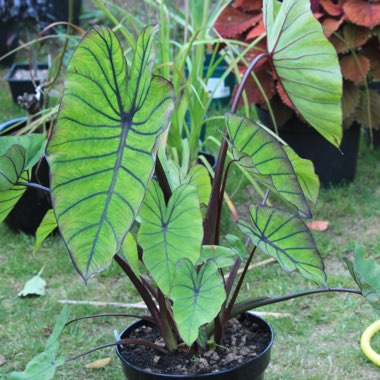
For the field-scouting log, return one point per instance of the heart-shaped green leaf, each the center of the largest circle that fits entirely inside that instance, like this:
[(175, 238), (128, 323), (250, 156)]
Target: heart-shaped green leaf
[(285, 237), (197, 297), (306, 64), (170, 233), (103, 147), (366, 272), (258, 151)]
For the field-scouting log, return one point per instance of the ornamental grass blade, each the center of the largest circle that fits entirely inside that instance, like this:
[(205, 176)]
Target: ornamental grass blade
[(197, 297), (285, 237), (170, 233), (263, 155), (366, 272), (103, 147), (306, 64)]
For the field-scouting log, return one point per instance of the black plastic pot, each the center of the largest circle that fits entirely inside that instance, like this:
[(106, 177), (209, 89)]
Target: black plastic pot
[(375, 141), (19, 87), (59, 10), (333, 167), (8, 40), (211, 159), (251, 370), (29, 211)]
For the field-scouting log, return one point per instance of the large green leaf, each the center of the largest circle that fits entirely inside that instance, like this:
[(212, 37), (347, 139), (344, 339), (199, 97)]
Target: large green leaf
[(170, 233), (44, 365), (285, 237), (197, 297), (306, 64), (103, 148), (258, 151), (17, 154), (366, 272)]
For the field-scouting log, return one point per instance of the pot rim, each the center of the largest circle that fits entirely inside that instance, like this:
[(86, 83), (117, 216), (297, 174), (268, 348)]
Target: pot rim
[(23, 66), (203, 375)]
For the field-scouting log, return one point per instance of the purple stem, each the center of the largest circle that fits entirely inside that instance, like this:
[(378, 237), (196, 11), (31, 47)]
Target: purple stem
[(211, 220)]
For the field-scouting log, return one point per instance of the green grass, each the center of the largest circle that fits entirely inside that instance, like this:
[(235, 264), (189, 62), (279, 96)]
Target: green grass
[(8, 109), (319, 340)]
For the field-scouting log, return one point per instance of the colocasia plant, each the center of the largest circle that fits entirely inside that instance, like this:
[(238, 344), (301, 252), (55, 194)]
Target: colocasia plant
[(114, 200)]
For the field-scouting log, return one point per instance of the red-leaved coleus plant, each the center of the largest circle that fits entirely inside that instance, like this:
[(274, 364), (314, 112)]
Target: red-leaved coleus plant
[(352, 26)]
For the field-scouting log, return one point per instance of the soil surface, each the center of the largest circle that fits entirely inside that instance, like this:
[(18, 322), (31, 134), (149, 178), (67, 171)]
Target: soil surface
[(22, 74), (244, 340)]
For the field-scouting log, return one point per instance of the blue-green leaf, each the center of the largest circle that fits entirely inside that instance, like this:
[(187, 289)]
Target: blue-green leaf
[(44, 365), (259, 152), (103, 147), (197, 297), (170, 233), (366, 272), (285, 237), (306, 64)]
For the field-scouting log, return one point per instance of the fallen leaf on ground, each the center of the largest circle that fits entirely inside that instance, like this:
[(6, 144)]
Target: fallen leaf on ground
[(2, 360), (98, 363), (34, 287), (318, 225)]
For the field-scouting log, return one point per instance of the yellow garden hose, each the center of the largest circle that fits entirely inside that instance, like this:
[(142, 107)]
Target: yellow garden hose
[(365, 342)]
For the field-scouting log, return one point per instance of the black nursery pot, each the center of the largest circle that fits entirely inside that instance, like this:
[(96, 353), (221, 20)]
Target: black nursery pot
[(29, 211), (253, 369), (8, 40), (332, 166), (375, 140), (19, 87)]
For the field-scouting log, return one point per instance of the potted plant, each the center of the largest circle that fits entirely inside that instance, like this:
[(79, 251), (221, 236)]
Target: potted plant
[(356, 43), (107, 177)]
